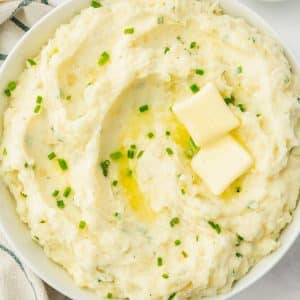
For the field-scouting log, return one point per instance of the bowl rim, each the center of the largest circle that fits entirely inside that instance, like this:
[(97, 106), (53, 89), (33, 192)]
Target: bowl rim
[(236, 9)]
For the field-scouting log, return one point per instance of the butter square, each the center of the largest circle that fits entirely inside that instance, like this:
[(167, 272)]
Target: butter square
[(205, 115), (220, 163)]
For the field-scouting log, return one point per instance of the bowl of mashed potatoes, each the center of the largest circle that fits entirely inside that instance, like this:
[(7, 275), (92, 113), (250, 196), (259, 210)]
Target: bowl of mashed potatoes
[(150, 149)]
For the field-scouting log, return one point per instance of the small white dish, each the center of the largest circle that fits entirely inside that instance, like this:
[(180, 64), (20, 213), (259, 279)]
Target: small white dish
[(18, 234)]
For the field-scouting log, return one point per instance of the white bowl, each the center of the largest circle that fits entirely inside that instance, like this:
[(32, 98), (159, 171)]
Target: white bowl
[(17, 233)]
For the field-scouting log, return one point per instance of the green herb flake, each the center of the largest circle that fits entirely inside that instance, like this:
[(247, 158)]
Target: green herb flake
[(160, 261), (194, 88), (37, 108), (166, 50), (183, 192), (215, 226), (130, 154), (115, 183), (177, 242), (174, 221), (67, 191), (143, 108), (229, 100), (241, 107), (26, 165), (23, 195), (82, 224), (109, 296), (60, 203), (4, 152), (150, 135), (31, 62), (239, 240), (168, 133), (160, 20), (51, 155), (95, 4), (192, 148), (172, 296), (169, 151), (239, 69), (129, 30), (165, 275), (42, 222), (238, 254), (10, 87), (197, 238), (104, 166), (193, 45), (140, 154), (238, 189), (129, 173), (184, 254), (55, 193), (103, 59), (63, 164), (39, 99), (116, 155), (199, 72)]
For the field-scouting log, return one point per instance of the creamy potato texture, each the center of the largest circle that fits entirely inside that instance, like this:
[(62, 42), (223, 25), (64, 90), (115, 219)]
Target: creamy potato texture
[(100, 167)]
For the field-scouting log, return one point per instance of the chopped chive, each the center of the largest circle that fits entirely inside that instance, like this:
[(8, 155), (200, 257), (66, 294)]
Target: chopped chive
[(42, 222), (159, 261), (258, 115), (115, 183), (143, 108), (238, 189), (160, 20), (133, 146), (116, 155), (95, 4), (69, 97), (104, 166), (63, 164), (36, 237), (172, 296), (177, 242), (7, 92), (130, 154), (104, 58), (82, 224), (26, 165), (51, 155), (67, 191), (37, 108), (23, 195), (199, 72), (150, 135), (60, 203), (215, 226), (192, 148), (168, 133), (31, 62), (140, 154), (194, 88), (55, 193), (197, 238), (116, 214), (165, 276), (239, 69), (174, 221), (109, 296), (239, 240), (4, 152), (184, 254), (129, 30), (166, 50), (241, 107), (169, 151), (12, 85), (193, 45), (238, 254), (229, 100), (39, 99), (183, 192)]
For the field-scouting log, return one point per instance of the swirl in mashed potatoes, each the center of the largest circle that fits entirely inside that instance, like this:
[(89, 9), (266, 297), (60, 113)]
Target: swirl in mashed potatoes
[(100, 166)]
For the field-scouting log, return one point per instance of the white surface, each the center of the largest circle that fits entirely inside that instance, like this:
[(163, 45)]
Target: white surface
[(282, 282)]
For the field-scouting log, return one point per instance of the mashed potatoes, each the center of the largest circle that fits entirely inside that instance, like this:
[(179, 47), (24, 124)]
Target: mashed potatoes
[(100, 167)]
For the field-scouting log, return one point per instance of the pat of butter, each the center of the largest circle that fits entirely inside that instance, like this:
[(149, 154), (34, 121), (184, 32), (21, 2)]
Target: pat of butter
[(205, 115), (220, 163)]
